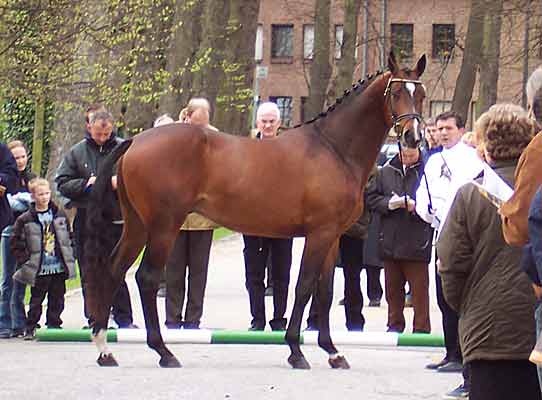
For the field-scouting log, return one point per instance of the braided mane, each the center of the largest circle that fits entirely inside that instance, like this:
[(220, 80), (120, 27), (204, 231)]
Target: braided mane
[(357, 88)]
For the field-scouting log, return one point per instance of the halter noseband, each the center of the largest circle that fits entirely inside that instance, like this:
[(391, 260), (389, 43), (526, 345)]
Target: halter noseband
[(396, 119)]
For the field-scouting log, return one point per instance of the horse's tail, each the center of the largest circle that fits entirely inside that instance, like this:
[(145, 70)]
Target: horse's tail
[(103, 212)]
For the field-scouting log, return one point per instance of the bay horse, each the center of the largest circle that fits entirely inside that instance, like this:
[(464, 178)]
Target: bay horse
[(306, 182)]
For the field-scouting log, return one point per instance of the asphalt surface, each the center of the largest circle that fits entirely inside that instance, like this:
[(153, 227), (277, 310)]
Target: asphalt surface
[(37, 370)]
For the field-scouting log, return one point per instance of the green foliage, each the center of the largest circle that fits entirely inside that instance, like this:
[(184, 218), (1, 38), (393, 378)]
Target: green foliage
[(17, 123)]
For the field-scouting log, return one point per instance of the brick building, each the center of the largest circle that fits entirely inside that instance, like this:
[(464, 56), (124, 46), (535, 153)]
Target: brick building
[(411, 27)]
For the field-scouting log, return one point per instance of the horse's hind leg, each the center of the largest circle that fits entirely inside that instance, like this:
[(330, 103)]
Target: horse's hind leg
[(325, 297), (148, 279), (314, 254)]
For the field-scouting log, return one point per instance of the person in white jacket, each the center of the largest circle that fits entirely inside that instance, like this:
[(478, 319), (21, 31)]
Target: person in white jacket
[(445, 173)]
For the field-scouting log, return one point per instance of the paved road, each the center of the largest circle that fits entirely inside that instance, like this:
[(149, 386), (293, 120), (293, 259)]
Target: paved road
[(52, 371)]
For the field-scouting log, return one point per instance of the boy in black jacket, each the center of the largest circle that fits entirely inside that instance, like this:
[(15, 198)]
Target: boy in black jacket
[(42, 245)]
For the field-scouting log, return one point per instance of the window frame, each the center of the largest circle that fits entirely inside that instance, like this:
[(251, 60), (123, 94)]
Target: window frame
[(437, 44), (394, 40), (287, 120), (282, 58)]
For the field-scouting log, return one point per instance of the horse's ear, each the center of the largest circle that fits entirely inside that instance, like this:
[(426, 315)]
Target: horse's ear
[(392, 63), (420, 65)]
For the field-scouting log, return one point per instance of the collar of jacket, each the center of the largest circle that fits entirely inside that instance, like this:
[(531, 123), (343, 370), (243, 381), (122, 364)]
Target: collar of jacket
[(32, 210), (396, 164), (111, 142), (506, 170)]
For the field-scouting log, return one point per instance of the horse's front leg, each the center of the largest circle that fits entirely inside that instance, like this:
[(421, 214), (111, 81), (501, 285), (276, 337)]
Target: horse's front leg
[(325, 298), (313, 256), (148, 280)]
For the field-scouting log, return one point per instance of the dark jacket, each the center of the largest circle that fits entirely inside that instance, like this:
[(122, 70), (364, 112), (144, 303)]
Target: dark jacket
[(26, 244), (8, 175), (482, 279), (403, 235), (79, 164)]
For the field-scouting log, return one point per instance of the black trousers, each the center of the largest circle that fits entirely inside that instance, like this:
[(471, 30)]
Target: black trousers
[(374, 287), (450, 323), (122, 307), (351, 254), (502, 379), (190, 253), (256, 251), (54, 286)]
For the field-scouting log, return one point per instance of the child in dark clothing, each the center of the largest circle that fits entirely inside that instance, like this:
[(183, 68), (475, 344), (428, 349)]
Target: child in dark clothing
[(42, 245)]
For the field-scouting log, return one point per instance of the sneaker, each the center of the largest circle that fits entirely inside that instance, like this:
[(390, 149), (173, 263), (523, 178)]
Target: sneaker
[(17, 333), (452, 366), (5, 334), (30, 334), (256, 327), (438, 364), (460, 392), (374, 303)]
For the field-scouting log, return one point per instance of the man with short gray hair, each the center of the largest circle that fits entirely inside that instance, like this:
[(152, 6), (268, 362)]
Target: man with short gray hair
[(257, 249)]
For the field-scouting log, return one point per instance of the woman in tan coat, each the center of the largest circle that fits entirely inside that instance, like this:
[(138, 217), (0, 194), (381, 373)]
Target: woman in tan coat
[(191, 250)]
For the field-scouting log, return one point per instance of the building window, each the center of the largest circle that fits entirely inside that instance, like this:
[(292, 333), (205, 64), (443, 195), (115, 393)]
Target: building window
[(308, 42), (285, 107), (282, 39), (402, 40), (437, 107), (258, 51), (443, 40), (339, 36)]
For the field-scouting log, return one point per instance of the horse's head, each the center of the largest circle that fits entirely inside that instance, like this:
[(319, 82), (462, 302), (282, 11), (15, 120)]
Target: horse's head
[(404, 97)]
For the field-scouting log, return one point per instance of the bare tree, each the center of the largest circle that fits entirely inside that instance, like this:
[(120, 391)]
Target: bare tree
[(321, 68), (471, 59)]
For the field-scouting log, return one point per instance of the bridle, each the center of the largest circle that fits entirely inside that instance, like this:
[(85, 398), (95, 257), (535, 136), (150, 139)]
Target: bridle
[(398, 128), (396, 119)]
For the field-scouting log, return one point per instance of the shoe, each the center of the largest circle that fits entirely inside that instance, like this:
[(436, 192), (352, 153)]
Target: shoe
[(191, 325), (54, 327), (129, 326), (341, 302), (408, 300), (452, 366), (374, 303), (174, 325), (17, 333), (311, 328), (5, 334), (437, 364), (256, 327), (268, 291), (30, 334), (161, 292), (460, 392)]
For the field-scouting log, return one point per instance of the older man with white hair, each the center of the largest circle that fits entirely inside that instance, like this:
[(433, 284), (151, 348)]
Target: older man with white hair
[(258, 249)]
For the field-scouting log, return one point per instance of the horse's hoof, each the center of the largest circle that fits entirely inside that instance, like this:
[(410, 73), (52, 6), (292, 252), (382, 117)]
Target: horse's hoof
[(169, 362), (339, 362), (298, 362), (107, 360)]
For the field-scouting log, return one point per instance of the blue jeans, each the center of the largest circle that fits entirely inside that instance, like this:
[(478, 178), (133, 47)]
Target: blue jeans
[(538, 318), (12, 312)]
